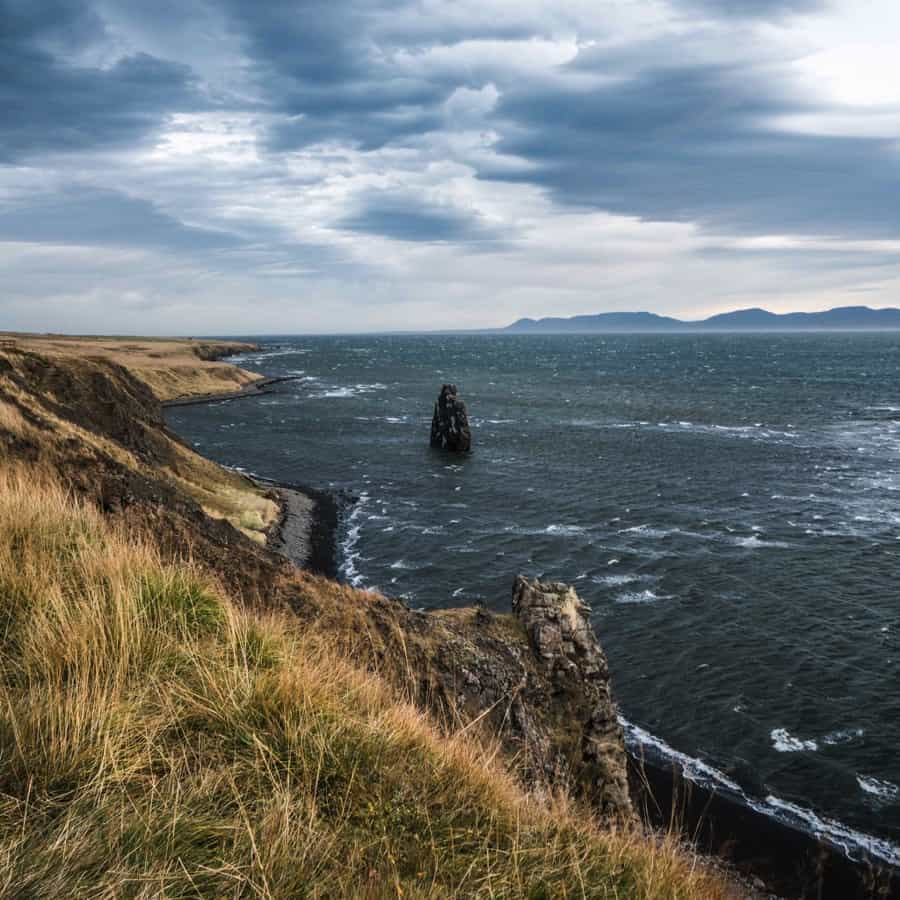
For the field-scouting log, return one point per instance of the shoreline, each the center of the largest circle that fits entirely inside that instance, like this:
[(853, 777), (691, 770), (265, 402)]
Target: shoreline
[(789, 861), (306, 532), (258, 388)]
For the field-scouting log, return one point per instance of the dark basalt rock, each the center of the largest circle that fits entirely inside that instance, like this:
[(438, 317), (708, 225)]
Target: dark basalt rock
[(450, 424), (539, 681)]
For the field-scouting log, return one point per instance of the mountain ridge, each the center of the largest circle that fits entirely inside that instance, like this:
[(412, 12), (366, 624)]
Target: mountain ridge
[(844, 318)]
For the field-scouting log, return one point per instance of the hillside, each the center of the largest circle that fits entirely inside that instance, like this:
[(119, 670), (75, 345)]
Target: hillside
[(186, 714), (171, 368)]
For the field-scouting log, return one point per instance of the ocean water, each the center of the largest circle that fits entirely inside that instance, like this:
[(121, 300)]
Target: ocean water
[(729, 506)]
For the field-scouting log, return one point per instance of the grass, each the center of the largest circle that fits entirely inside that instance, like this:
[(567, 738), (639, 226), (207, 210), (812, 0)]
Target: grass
[(172, 367), (222, 493), (158, 741)]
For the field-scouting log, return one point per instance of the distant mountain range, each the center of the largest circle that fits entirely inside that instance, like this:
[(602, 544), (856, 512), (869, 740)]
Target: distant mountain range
[(846, 318)]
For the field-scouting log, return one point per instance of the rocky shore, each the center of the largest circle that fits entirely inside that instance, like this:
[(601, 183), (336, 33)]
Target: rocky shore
[(253, 389), (307, 529)]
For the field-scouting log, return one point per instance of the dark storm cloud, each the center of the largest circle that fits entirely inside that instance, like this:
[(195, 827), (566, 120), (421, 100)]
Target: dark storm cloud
[(52, 103), (681, 142), (87, 215), (408, 218), (327, 66), (686, 142), (696, 143)]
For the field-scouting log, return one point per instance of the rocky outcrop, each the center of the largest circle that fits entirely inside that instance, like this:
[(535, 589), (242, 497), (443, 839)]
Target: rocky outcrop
[(450, 423), (537, 679), (574, 667)]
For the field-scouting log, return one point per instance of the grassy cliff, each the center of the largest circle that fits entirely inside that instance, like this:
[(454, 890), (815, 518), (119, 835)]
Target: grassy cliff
[(183, 714), (171, 368)]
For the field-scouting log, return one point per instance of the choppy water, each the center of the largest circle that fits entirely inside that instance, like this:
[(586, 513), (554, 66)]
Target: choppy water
[(728, 505)]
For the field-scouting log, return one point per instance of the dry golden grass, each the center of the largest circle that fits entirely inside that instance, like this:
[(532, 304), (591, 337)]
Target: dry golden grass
[(172, 368), (155, 741), (222, 493)]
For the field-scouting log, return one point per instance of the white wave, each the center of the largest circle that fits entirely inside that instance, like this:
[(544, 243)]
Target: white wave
[(403, 564), (565, 530), (754, 542), (842, 737), (883, 790), (648, 531), (695, 769), (641, 597), (853, 844), (556, 529), (346, 391), (652, 532), (840, 836), (333, 394), (756, 431), (617, 580), (349, 554), (261, 355), (785, 742)]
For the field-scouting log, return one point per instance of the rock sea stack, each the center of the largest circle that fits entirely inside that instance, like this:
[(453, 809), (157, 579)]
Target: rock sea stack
[(450, 424)]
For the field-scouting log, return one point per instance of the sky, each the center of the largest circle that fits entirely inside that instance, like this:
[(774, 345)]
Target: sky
[(236, 167)]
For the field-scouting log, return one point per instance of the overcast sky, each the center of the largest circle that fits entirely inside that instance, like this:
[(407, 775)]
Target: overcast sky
[(228, 166)]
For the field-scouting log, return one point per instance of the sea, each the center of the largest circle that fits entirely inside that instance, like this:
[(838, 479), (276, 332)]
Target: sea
[(728, 506)]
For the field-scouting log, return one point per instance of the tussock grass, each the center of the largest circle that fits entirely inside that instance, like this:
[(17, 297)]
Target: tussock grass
[(156, 741)]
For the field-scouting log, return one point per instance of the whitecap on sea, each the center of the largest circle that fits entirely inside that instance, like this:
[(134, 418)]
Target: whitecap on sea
[(564, 530), (640, 597), (885, 791), (617, 580), (843, 736), (784, 742)]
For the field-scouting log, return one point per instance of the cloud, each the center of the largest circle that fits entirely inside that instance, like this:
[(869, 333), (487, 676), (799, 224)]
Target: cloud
[(695, 143), (53, 101), (756, 8), (406, 217), (84, 215), (403, 157)]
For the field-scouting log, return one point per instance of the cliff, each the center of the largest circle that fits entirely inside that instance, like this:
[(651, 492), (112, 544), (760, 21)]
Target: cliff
[(532, 685)]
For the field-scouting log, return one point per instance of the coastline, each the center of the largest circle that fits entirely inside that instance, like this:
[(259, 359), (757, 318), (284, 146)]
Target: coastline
[(788, 859), (256, 388), (305, 532)]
